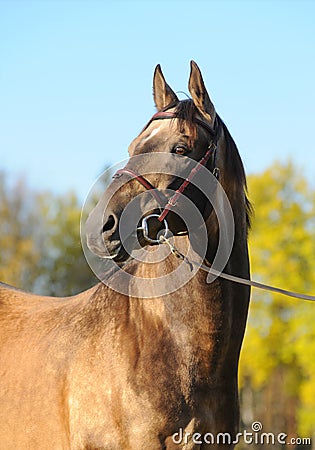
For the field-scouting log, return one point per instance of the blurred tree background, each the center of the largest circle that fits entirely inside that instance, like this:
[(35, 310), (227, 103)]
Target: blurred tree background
[(277, 368), (41, 252), (40, 240)]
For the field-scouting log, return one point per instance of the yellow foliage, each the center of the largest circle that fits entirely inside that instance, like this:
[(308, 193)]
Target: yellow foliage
[(280, 331)]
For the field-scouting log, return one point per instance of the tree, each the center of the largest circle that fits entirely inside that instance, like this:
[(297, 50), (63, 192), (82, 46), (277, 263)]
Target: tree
[(64, 268), (40, 241), (276, 364), (19, 252)]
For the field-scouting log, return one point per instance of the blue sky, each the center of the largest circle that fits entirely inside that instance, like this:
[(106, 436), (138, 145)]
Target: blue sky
[(76, 80)]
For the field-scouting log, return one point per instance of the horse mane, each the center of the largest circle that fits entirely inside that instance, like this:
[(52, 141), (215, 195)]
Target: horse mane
[(186, 111), (236, 171)]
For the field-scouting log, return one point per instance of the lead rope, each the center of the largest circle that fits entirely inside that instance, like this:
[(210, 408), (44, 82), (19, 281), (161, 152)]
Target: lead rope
[(233, 278)]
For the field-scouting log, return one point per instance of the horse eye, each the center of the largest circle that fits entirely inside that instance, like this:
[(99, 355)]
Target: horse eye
[(180, 150)]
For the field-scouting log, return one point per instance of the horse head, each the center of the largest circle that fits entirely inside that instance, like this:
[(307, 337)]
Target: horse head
[(156, 193)]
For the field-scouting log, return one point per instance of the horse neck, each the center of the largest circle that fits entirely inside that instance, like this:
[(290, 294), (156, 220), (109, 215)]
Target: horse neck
[(233, 229), (175, 286), (201, 317), (203, 320)]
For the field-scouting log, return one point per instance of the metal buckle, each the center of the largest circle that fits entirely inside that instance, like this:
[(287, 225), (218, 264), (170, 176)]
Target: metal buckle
[(216, 172), (145, 229), (171, 202)]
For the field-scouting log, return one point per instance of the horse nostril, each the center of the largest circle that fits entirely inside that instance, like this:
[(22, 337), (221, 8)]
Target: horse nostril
[(110, 224)]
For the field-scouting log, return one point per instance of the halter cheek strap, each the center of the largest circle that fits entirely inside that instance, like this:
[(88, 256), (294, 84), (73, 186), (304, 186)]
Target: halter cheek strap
[(211, 152), (172, 201)]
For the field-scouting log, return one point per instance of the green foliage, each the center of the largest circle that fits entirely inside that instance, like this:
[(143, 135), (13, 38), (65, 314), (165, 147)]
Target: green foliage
[(276, 360), (65, 269), (40, 241), (19, 253)]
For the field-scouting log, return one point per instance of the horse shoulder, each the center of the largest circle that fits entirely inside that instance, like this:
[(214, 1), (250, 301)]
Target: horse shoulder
[(39, 338)]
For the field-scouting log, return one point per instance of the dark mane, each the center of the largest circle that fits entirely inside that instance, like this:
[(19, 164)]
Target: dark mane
[(235, 168), (186, 111)]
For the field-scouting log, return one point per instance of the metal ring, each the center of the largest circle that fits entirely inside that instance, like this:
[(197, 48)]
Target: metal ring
[(145, 229)]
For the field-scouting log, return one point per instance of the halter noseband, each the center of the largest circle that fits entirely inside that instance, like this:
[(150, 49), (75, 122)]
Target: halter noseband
[(201, 163)]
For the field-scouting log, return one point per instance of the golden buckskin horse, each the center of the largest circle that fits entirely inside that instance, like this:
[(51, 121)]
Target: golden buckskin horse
[(108, 370)]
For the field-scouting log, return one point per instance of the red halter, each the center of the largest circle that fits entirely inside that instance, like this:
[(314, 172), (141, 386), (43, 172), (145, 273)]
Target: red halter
[(203, 161)]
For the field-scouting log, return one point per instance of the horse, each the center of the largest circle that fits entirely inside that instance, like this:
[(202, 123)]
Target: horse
[(140, 366)]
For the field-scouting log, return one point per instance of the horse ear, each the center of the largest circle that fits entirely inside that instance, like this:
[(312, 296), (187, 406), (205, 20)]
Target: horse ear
[(199, 93), (162, 93)]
